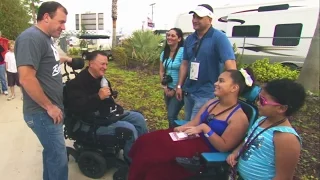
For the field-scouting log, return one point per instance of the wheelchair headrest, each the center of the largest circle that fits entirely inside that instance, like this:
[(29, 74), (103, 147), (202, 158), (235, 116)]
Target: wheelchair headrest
[(250, 110), (252, 95), (77, 63)]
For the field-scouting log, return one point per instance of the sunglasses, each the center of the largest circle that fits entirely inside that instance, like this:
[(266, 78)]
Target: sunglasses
[(263, 101)]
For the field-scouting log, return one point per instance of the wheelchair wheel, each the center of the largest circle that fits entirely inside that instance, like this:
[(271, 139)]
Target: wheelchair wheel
[(92, 164)]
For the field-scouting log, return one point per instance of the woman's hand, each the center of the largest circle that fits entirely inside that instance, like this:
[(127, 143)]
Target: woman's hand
[(231, 160), (194, 130), (179, 128), (170, 93)]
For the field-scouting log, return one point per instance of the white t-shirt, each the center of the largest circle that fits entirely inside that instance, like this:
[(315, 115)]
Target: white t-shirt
[(10, 59)]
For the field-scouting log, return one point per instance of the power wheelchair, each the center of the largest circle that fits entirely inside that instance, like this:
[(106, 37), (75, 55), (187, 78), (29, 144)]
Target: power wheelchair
[(213, 165), (94, 153)]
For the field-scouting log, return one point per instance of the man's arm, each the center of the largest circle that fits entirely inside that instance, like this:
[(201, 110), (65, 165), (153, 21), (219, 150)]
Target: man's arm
[(287, 152), (28, 80), (226, 52)]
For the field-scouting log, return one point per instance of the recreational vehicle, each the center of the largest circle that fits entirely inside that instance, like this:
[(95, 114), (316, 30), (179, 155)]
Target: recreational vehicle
[(281, 31)]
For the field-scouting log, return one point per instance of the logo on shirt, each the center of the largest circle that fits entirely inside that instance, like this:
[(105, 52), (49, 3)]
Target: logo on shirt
[(55, 69)]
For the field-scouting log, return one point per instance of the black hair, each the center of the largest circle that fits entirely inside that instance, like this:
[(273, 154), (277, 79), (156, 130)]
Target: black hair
[(207, 6), (49, 7), (239, 79), (287, 92), (166, 51), (92, 55)]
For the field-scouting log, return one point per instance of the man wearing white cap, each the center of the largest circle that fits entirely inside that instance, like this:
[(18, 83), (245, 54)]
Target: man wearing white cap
[(206, 50)]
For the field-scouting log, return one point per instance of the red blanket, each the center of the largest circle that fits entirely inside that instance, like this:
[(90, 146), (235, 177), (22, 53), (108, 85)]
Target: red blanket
[(153, 156)]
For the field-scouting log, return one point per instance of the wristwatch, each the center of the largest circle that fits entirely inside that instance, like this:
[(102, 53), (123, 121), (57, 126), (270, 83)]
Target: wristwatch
[(208, 134), (179, 87)]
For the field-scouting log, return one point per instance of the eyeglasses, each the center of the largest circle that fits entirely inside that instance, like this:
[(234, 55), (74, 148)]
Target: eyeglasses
[(263, 101)]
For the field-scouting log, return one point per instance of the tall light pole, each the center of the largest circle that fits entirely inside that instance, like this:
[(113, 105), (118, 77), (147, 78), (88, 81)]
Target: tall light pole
[(152, 10)]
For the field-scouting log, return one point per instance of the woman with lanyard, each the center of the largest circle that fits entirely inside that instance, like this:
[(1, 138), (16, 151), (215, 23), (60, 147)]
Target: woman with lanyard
[(221, 124), (171, 59), (272, 148)]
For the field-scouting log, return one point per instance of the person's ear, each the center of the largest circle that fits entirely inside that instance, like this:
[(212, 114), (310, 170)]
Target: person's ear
[(235, 88)]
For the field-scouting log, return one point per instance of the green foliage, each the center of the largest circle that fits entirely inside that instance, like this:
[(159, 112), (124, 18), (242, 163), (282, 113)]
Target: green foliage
[(265, 71), (14, 18), (143, 46), (139, 91), (119, 55), (238, 57), (74, 51)]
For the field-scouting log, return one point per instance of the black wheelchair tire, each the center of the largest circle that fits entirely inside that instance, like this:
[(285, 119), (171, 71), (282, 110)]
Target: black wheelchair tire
[(92, 164)]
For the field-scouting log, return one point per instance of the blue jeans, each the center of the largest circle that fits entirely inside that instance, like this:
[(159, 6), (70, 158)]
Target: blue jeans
[(173, 106), (134, 121), (54, 154), (193, 104), (3, 80)]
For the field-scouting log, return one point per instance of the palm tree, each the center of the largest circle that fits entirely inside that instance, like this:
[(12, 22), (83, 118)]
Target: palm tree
[(33, 8), (309, 76), (114, 22)]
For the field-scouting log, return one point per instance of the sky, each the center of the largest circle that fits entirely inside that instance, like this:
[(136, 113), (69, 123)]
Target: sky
[(131, 13)]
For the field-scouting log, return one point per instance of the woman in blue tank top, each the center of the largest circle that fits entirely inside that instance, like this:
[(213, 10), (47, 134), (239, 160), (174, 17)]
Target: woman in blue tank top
[(221, 123), (272, 148), (171, 58)]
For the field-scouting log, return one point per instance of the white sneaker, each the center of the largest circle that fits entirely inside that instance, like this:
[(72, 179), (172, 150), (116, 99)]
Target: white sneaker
[(5, 93)]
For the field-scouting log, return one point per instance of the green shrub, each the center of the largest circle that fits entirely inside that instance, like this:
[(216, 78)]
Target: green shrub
[(74, 51), (119, 55), (265, 71), (143, 46)]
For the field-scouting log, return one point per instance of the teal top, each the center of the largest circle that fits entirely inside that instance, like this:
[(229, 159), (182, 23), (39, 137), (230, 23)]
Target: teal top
[(258, 162), (173, 67)]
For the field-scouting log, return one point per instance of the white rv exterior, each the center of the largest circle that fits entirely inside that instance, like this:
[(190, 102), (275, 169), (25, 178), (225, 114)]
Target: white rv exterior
[(281, 31)]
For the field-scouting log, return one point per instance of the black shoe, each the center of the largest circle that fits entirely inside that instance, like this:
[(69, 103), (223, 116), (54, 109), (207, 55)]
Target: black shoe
[(192, 164), (121, 174)]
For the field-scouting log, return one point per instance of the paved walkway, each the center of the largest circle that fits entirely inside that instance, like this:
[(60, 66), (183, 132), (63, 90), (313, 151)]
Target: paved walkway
[(21, 152)]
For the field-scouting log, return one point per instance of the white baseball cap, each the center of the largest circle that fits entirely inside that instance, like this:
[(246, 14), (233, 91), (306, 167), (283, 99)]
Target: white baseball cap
[(203, 10)]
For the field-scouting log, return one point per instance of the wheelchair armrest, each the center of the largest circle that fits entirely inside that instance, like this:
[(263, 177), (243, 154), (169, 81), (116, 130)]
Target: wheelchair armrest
[(214, 158), (180, 122), (106, 121)]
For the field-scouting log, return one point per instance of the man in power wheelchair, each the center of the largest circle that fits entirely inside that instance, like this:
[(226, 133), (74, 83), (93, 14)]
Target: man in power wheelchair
[(99, 126), (221, 123)]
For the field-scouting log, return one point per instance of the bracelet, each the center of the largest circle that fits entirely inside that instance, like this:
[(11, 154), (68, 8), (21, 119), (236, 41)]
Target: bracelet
[(210, 133)]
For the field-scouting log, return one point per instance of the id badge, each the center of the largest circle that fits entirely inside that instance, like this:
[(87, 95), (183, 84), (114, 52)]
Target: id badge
[(194, 70)]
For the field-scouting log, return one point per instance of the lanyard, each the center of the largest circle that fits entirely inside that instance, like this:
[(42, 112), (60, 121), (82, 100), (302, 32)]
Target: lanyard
[(250, 140), (211, 116), (198, 44), (166, 64)]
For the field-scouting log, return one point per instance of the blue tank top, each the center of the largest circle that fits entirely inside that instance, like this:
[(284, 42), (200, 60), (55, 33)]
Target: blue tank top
[(216, 125), (258, 162)]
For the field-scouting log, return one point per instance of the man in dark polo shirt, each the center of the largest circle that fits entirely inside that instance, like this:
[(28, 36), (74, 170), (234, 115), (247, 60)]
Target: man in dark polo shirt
[(39, 70), (205, 51)]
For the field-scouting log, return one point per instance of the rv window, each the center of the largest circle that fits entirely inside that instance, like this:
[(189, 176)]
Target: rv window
[(273, 8), (287, 34), (248, 31)]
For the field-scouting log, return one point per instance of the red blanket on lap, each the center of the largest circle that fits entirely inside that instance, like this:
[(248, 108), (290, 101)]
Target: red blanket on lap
[(153, 156)]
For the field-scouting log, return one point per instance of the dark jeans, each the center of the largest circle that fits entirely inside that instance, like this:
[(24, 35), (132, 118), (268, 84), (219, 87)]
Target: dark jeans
[(173, 106)]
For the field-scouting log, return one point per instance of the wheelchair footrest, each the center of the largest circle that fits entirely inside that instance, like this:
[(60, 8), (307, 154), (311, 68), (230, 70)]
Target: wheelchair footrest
[(214, 159), (191, 164)]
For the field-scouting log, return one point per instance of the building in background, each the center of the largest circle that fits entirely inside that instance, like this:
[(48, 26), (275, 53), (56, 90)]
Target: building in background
[(90, 21)]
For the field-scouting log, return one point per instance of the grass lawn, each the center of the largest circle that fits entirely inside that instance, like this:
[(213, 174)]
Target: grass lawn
[(141, 91)]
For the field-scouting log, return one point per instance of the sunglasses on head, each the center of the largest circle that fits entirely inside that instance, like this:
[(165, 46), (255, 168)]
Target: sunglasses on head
[(263, 101)]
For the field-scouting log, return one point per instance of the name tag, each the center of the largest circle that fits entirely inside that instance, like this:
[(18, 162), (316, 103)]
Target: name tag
[(194, 70)]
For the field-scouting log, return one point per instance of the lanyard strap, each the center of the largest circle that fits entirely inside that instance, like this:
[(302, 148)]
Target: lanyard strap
[(211, 116), (198, 44), (166, 64)]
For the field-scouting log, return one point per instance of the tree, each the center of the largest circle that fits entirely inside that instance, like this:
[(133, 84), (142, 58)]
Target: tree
[(33, 7), (14, 18), (114, 16), (309, 76)]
